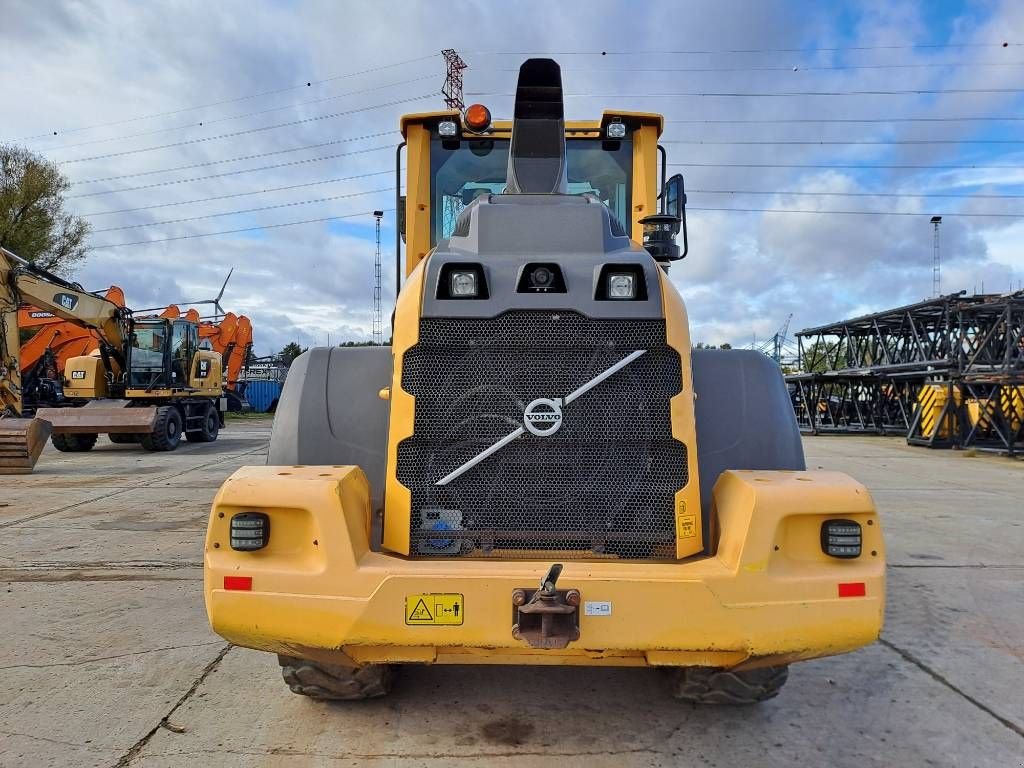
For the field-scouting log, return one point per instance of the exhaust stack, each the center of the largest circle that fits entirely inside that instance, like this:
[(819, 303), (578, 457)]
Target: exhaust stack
[(536, 162)]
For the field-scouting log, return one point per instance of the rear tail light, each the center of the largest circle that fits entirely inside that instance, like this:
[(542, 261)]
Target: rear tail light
[(250, 531), (841, 538)]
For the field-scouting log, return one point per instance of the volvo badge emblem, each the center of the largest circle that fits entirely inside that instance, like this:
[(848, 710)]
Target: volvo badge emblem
[(543, 417)]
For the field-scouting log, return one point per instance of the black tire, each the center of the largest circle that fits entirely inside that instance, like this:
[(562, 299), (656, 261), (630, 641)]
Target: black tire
[(166, 432), (333, 682), (210, 430), (708, 685), (123, 437), (74, 443)]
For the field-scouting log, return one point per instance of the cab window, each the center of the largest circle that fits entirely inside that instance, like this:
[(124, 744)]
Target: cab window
[(147, 353), (479, 166)]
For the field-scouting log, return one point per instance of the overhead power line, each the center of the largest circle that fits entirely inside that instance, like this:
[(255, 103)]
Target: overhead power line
[(206, 123), (252, 130), (234, 100), (776, 94), (698, 164), (234, 159), (757, 121), (232, 173), (915, 195), (265, 190), (249, 210), (809, 50), (243, 229), (879, 142), (859, 213), (268, 190), (793, 68), (689, 208)]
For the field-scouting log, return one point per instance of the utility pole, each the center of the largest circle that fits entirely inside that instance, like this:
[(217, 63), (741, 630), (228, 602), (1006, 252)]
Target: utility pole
[(452, 89), (936, 257), (378, 322)]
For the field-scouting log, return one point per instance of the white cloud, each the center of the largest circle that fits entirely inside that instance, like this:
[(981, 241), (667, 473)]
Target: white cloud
[(67, 66)]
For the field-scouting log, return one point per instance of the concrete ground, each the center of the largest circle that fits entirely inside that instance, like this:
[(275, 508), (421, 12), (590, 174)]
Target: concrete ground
[(107, 659)]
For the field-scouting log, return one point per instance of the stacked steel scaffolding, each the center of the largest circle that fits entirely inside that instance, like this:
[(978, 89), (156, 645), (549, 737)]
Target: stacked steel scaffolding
[(947, 372)]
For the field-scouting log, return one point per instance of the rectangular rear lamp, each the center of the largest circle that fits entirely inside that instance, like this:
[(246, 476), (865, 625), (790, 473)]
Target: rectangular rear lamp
[(238, 583), (841, 538), (250, 531)]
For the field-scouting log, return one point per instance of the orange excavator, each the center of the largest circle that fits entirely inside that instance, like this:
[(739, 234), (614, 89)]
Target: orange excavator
[(53, 342)]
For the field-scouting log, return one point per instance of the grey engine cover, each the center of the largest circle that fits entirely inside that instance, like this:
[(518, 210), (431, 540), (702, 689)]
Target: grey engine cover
[(330, 413), (744, 416)]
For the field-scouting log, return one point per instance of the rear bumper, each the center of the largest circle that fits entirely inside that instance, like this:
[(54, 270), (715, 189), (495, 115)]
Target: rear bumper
[(769, 595)]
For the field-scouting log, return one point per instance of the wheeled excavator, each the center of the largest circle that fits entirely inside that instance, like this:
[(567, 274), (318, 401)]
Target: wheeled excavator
[(149, 380), (539, 470)]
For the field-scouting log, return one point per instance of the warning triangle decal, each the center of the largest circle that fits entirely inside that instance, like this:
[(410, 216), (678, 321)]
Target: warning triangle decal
[(420, 612)]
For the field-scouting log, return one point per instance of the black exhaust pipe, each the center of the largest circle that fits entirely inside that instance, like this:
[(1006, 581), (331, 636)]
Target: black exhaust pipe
[(536, 162)]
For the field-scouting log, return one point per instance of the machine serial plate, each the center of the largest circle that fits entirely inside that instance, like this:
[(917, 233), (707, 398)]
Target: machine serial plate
[(434, 609)]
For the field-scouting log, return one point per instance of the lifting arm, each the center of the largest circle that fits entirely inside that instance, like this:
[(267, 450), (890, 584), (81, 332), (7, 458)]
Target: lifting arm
[(21, 281)]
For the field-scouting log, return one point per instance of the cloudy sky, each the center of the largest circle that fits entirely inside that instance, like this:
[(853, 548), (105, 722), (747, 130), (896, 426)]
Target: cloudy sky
[(197, 134)]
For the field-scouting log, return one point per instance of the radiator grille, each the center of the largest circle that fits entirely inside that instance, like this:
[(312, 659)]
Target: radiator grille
[(602, 486)]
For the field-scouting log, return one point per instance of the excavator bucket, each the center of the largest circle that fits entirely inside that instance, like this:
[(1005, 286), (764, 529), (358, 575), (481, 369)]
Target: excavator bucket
[(100, 417), (21, 442)]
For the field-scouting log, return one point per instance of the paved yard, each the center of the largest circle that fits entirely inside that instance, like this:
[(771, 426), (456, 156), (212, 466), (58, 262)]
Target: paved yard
[(105, 638)]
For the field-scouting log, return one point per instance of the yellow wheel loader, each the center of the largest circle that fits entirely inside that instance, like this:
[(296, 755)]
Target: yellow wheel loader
[(148, 382), (539, 470)]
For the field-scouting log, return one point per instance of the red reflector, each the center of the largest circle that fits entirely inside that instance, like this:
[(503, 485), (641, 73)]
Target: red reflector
[(852, 589), (244, 583)]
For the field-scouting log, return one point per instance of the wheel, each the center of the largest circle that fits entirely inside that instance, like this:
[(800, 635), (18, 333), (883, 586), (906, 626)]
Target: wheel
[(74, 443), (166, 432), (708, 685), (210, 430), (123, 437), (333, 682)]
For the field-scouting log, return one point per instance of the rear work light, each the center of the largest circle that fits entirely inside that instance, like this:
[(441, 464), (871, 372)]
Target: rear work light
[(841, 538), (250, 531)]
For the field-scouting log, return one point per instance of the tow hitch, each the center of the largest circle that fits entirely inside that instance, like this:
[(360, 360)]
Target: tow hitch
[(546, 617)]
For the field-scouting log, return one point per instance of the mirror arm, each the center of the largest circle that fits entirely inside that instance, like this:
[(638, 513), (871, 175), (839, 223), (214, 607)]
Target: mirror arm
[(664, 177), (682, 215), (398, 218)]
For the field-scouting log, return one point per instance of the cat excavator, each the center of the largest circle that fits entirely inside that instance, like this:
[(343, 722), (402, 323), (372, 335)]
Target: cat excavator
[(148, 381)]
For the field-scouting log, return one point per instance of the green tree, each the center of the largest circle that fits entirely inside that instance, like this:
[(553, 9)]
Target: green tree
[(290, 352), (33, 222)]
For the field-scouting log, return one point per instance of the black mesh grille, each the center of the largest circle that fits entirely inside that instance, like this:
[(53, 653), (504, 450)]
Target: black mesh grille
[(603, 485)]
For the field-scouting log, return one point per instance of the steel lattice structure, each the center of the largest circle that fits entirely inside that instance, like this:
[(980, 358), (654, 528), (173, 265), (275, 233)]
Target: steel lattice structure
[(452, 88), (948, 371)]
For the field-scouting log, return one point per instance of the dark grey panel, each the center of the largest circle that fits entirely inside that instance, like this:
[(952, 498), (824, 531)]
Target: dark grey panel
[(329, 412), (506, 232), (744, 418)]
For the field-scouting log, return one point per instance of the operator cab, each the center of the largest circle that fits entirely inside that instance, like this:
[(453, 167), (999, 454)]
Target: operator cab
[(160, 353), (453, 160)]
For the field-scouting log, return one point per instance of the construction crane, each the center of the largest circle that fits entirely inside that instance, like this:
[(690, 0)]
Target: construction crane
[(778, 346)]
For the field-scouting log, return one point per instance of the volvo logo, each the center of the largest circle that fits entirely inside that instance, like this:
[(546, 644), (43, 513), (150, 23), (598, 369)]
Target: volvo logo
[(543, 417)]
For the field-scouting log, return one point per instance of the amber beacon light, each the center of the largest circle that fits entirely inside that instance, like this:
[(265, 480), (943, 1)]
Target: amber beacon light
[(478, 117)]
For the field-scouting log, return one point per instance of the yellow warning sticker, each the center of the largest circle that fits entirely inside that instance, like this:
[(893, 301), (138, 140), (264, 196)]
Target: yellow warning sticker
[(686, 525), (434, 609)]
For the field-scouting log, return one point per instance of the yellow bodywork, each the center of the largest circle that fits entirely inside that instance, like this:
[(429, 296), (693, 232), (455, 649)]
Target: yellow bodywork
[(85, 377), (768, 596)]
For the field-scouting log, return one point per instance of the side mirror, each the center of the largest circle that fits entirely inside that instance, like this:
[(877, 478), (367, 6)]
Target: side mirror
[(660, 229), (675, 198)]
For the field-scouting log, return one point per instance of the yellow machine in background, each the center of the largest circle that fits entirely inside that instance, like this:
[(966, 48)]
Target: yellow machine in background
[(539, 471), (148, 382)]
